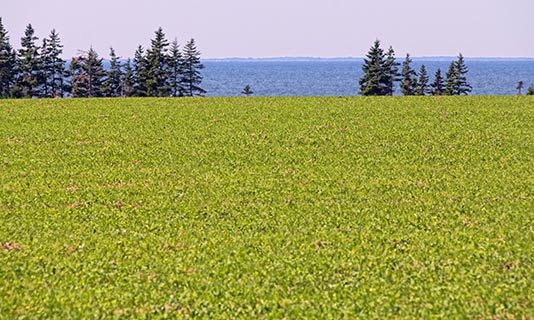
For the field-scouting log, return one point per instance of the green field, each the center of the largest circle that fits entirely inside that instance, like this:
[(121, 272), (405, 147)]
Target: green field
[(268, 208)]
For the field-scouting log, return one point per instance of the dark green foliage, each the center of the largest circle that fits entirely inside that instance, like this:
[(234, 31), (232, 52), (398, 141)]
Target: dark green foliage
[(175, 69), (247, 91), (422, 82), (191, 75), (530, 91), (437, 87), (140, 71), (112, 86), (456, 81), (128, 79), (379, 73), (87, 75), (391, 71), (409, 78), (29, 78), (158, 66), (7, 64), (519, 87), (53, 67)]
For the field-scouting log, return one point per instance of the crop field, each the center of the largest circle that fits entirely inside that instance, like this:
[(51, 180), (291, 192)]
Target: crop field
[(267, 208)]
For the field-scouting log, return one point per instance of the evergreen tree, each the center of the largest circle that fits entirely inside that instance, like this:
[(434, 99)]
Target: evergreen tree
[(175, 68), (191, 75), (530, 91), (422, 83), (247, 91), (409, 77), (391, 71), (7, 64), (140, 70), (30, 64), (451, 80), (158, 72), (113, 82), (128, 79), (464, 88), (87, 73), (437, 87), (519, 87), (374, 81), (53, 67), (456, 81)]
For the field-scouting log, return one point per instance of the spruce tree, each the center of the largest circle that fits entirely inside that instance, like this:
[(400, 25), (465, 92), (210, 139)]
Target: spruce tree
[(391, 71), (158, 72), (87, 74), (30, 64), (409, 77), (175, 69), (191, 70), (437, 87), (451, 80), (140, 70), (422, 82), (53, 67), (7, 64), (464, 88), (112, 84), (128, 79), (374, 81), (247, 91)]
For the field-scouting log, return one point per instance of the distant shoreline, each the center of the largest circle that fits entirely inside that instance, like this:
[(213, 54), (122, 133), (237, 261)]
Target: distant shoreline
[(358, 59)]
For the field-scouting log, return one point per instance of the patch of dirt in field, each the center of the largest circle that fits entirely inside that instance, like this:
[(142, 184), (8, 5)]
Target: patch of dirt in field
[(506, 266), (318, 244), (14, 140), (75, 205), (119, 204), (175, 246), (120, 184), (72, 188), (10, 246)]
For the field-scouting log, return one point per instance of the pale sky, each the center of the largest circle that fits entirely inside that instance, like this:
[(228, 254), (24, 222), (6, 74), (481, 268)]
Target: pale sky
[(284, 28)]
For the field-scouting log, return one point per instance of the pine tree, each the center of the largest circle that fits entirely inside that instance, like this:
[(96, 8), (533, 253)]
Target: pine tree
[(374, 81), (191, 75), (409, 77), (53, 67), (175, 69), (456, 81), (87, 74), (113, 82), (437, 87), (140, 70), (530, 91), (128, 79), (391, 71), (30, 64), (422, 82), (464, 88), (158, 72), (7, 64), (247, 91), (451, 80)]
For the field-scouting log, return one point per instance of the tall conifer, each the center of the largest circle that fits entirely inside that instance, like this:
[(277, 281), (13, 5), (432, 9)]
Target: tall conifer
[(437, 87), (112, 84), (409, 77), (7, 64), (422, 82), (191, 70), (158, 72), (53, 67), (175, 69), (374, 81), (30, 64)]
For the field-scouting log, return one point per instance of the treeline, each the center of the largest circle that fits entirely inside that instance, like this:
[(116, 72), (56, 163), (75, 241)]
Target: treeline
[(381, 72), (38, 71)]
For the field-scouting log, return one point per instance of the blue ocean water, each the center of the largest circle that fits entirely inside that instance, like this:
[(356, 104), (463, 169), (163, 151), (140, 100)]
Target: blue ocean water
[(339, 77)]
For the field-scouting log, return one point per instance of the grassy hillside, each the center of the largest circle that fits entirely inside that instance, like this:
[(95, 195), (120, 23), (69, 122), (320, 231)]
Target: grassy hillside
[(267, 208)]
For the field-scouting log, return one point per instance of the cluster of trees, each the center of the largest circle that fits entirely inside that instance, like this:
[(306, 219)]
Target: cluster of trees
[(381, 72), (38, 71)]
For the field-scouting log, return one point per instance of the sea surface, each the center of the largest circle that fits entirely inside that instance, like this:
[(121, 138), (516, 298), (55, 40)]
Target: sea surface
[(339, 77)]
